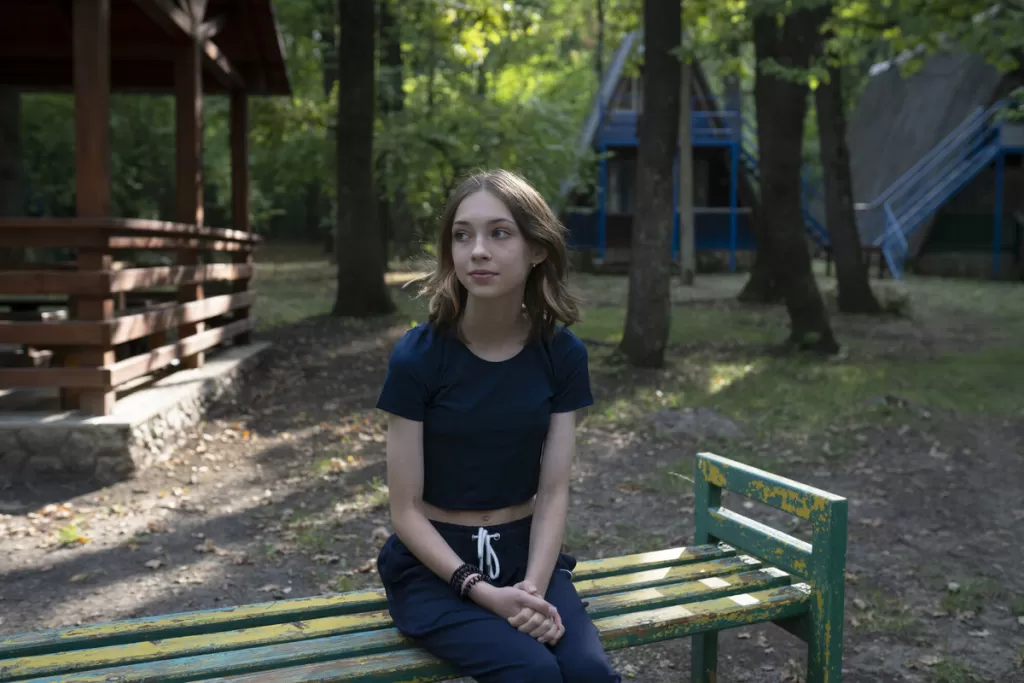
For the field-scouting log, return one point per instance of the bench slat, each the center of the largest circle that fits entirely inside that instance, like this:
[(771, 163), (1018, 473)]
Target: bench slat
[(334, 648), (191, 645), (283, 655), (624, 564), (616, 632), (761, 540), (275, 612), (657, 577)]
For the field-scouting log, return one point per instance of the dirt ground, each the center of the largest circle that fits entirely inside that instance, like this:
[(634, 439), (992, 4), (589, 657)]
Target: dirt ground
[(282, 495)]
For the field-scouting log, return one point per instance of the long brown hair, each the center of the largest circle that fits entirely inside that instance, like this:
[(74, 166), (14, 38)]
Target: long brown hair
[(548, 298)]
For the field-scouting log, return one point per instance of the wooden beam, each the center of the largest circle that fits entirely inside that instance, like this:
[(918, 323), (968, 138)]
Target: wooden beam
[(211, 28), (99, 283), (57, 333), (188, 96), (239, 134), (240, 162), (137, 366), (171, 18), (129, 327), (180, 276), (189, 106), (123, 226), (91, 63), (56, 378), (220, 66), (122, 329)]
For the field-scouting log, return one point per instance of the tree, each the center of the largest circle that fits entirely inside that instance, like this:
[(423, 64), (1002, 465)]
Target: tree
[(359, 248), (855, 295), (649, 307), (781, 100)]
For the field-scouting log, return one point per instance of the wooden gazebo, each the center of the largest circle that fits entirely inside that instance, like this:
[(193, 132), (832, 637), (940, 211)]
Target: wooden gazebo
[(107, 307)]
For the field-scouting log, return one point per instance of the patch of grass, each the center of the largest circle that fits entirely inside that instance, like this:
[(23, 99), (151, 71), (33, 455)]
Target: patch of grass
[(886, 613), (973, 596), (313, 540), (676, 479), (1017, 605), (952, 671), (701, 325), (342, 584)]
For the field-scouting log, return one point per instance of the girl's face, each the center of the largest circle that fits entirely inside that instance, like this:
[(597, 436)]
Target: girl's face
[(491, 256)]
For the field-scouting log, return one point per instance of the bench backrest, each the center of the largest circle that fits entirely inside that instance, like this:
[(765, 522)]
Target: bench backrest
[(820, 563)]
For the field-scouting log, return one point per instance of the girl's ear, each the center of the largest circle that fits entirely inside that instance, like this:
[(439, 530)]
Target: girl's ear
[(538, 253)]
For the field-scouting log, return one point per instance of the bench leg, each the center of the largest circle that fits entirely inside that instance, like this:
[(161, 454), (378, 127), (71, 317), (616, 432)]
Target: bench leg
[(824, 646), (704, 659)]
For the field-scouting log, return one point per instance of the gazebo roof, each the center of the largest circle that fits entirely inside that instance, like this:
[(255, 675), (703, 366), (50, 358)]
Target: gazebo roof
[(242, 46)]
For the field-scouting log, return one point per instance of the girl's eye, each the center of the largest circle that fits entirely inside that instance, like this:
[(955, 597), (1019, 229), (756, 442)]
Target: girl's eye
[(460, 235), (501, 232)]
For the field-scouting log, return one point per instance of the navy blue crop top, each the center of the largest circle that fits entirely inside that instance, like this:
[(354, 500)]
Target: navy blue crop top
[(484, 422)]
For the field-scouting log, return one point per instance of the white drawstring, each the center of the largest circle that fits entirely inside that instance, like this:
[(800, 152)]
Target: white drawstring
[(486, 556)]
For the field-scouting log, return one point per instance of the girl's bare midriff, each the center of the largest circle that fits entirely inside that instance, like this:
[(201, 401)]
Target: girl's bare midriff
[(478, 517)]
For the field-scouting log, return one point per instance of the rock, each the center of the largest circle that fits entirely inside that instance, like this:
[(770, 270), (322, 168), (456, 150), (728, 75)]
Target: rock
[(701, 423)]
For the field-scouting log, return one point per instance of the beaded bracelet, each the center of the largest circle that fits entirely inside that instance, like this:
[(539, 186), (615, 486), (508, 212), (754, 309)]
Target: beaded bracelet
[(472, 581), (460, 575)]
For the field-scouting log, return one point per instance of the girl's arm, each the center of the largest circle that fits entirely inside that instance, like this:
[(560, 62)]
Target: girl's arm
[(552, 503), (405, 491)]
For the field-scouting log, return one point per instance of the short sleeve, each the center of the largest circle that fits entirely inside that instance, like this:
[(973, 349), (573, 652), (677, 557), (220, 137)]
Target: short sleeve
[(572, 374), (406, 388)]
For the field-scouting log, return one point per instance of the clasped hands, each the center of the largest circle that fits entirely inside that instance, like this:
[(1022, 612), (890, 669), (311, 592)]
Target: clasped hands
[(543, 622), (523, 607)]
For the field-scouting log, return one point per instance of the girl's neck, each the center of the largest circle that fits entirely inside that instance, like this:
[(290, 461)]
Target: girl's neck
[(494, 321)]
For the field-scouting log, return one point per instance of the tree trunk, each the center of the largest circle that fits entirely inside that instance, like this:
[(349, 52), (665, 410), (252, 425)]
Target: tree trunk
[(781, 111), (855, 295), (687, 231), (599, 51), (649, 311), (359, 248), (761, 287), (11, 196)]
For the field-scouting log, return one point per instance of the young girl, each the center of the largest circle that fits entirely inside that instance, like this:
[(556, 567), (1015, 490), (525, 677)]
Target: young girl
[(481, 437)]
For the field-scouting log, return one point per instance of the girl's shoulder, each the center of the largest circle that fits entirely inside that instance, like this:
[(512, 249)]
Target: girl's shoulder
[(419, 344), (565, 345)]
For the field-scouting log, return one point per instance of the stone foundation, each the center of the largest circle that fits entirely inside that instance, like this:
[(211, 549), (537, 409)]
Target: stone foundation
[(142, 430)]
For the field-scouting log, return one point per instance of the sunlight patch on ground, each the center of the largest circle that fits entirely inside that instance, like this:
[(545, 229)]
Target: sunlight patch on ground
[(723, 375)]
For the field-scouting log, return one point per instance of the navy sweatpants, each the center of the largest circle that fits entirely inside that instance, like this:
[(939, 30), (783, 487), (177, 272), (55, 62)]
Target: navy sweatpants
[(476, 641)]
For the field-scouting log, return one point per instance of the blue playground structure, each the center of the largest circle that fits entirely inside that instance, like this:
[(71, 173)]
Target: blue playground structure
[(930, 161)]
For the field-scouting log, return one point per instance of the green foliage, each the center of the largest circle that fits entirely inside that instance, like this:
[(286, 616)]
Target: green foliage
[(485, 84)]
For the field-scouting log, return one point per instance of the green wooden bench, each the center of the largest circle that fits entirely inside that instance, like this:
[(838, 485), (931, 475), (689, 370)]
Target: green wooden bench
[(739, 572)]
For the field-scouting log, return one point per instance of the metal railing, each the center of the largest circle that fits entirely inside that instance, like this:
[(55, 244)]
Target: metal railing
[(928, 184)]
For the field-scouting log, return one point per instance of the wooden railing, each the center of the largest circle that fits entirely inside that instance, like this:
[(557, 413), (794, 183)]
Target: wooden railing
[(120, 320)]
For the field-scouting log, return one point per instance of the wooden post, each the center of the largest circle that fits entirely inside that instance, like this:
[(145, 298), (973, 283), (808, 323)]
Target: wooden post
[(687, 235), (240, 190), (91, 45), (188, 87)]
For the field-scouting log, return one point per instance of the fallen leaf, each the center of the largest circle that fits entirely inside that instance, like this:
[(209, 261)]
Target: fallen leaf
[(205, 547), (982, 633), (79, 578), (860, 604), (155, 564), (929, 660), (743, 635)]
